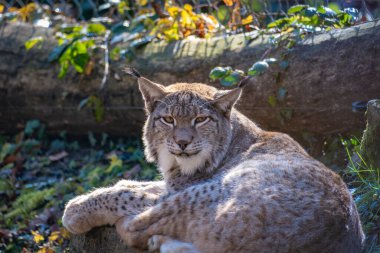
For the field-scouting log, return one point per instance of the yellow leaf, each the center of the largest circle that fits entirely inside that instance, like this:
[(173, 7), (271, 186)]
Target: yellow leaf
[(65, 234), (114, 161), (186, 19), (172, 33), (54, 236), (188, 7), (142, 2), (45, 250), (228, 2), (37, 237), (27, 10), (12, 9), (247, 20), (89, 67), (173, 11)]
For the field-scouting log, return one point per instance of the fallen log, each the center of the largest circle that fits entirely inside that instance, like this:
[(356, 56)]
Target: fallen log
[(99, 240), (326, 73)]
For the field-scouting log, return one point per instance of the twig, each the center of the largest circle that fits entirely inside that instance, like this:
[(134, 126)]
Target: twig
[(106, 61)]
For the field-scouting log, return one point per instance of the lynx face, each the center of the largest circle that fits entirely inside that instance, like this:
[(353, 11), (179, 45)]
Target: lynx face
[(185, 129)]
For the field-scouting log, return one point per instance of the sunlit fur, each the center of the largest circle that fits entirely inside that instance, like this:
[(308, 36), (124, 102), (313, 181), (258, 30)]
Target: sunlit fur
[(236, 188)]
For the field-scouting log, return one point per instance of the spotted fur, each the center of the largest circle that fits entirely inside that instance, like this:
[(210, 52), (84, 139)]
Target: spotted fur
[(229, 186)]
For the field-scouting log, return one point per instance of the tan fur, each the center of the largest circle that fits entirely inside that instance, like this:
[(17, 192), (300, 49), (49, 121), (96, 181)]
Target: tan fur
[(234, 188)]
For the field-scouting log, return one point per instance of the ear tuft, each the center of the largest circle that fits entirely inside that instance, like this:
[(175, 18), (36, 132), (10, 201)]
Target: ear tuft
[(131, 71)]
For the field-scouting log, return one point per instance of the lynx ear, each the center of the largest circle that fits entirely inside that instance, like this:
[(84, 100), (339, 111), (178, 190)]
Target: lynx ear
[(152, 92), (225, 100)]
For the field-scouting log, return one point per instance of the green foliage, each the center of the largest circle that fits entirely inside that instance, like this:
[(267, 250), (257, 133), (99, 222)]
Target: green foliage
[(96, 104), (365, 184), (230, 77), (37, 180), (258, 68), (319, 18), (29, 44), (27, 202), (76, 54), (226, 75)]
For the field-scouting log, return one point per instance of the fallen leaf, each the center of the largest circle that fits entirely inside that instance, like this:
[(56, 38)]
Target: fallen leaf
[(37, 237)]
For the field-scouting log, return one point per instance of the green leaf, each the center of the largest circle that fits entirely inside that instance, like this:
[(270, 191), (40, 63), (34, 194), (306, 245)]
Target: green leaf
[(120, 27), (97, 106), (31, 126), (97, 28), (258, 68), (7, 149), (326, 11), (257, 5), (64, 66), (284, 64), (296, 8), (136, 28), (334, 7), (282, 91), (80, 61), (29, 44), (232, 79), (68, 28), (141, 42), (219, 72), (79, 56), (223, 14), (272, 100), (58, 51), (115, 54), (279, 23), (91, 139), (82, 103), (310, 11), (286, 113)]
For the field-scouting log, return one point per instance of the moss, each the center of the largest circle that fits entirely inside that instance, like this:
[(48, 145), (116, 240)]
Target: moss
[(27, 202)]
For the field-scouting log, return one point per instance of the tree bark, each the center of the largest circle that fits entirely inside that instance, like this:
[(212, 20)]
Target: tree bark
[(370, 145), (99, 240), (326, 73)]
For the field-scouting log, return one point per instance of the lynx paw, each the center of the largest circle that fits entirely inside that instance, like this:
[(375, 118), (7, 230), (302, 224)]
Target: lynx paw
[(155, 242), (166, 244), (136, 239), (75, 217)]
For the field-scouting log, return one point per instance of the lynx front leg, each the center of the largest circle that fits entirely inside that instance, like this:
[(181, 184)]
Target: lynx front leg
[(106, 205), (181, 216)]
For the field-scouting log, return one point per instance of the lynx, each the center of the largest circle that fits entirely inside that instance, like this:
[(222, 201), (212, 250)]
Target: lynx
[(228, 185)]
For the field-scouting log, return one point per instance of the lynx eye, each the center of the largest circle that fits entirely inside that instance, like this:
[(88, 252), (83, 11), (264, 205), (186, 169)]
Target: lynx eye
[(200, 119), (168, 120)]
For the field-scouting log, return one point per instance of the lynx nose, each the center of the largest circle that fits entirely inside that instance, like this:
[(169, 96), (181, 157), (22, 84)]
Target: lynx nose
[(183, 137), (183, 144)]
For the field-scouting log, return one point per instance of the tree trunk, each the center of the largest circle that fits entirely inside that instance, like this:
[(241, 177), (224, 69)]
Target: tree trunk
[(99, 240), (326, 74), (370, 145)]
